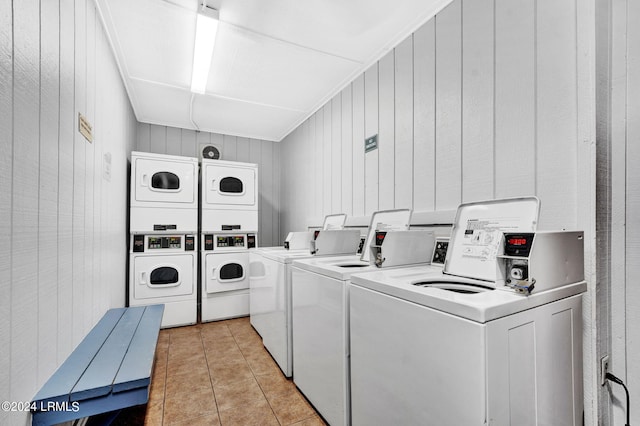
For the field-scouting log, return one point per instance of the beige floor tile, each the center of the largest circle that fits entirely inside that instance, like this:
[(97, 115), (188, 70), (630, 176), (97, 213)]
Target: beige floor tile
[(238, 394), (214, 331), (206, 420), (178, 383), (218, 366), (262, 364), (275, 384), (259, 413), (226, 374), (154, 412), (291, 408), (189, 404)]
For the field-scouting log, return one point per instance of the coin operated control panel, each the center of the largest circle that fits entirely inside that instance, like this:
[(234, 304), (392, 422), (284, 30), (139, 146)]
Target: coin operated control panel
[(334, 242), (298, 240), (228, 242), (141, 243), (395, 248), (539, 261)]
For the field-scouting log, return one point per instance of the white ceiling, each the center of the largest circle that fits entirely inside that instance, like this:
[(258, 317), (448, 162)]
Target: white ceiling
[(275, 62)]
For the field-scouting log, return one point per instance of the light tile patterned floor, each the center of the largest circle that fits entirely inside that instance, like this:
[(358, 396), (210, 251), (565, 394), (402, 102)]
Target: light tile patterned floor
[(219, 373)]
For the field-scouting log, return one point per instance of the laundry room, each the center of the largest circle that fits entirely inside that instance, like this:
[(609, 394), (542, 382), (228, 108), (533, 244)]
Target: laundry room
[(322, 212)]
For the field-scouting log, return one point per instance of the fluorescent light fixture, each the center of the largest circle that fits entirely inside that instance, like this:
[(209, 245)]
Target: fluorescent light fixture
[(206, 29)]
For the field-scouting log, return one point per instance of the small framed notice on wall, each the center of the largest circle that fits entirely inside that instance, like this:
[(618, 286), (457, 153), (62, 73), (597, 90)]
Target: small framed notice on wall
[(84, 127), (371, 143)]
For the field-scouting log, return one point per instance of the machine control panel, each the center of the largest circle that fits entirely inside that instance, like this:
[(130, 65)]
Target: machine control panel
[(152, 243), (540, 260), (174, 242), (518, 244), (228, 242)]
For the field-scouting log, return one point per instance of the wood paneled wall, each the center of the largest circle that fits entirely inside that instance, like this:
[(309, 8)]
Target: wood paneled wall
[(480, 102), (266, 154), (62, 223), (619, 201), (488, 99)]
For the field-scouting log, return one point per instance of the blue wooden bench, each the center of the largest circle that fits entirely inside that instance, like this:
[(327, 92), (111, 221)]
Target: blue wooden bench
[(109, 370)]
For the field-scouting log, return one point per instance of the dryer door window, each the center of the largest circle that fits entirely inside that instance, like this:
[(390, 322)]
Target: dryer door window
[(165, 181), (226, 271), (165, 275), (231, 272), (231, 185)]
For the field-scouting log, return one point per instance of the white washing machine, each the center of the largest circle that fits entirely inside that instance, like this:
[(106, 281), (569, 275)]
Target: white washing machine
[(270, 290), (496, 339), (162, 269), (320, 315), (164, 194), (229, 196), (225, 275)]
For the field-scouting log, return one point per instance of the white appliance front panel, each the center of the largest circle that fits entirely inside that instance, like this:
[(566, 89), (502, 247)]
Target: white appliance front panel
[(412, 364), (159, 181), (268, 307), (163, 276), (321, 343), (229, 186), (229, 220), (225, 272), (149, 220)]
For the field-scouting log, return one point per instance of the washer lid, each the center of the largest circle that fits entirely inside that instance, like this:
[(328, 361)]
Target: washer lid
[(385, 220), (477, 233), (334, 221)]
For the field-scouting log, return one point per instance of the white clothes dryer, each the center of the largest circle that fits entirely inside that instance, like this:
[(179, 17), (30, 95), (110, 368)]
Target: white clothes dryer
[(162, 269), (460, 348), (320, 315), (229, 196), (164, 194), (225, 275)]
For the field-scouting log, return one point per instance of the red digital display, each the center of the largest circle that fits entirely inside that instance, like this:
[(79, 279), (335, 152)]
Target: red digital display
[(517, 241)]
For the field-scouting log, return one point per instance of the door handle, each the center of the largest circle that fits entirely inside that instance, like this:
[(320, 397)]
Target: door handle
[(145, 180), (143, 279)]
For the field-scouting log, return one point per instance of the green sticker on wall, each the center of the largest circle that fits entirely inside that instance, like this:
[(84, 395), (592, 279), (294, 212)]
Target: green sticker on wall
[(371, 143)]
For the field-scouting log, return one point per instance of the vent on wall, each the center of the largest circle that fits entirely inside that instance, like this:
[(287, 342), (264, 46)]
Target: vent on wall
[(209, 152)]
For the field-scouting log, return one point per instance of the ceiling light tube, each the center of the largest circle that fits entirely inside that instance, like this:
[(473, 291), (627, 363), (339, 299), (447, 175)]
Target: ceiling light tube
[(206, 29)]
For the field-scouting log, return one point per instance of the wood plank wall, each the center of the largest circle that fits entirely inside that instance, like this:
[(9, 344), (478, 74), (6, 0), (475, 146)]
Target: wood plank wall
[(619, 200), (478, 103), (175, 141), (63, 225), (488, 99)]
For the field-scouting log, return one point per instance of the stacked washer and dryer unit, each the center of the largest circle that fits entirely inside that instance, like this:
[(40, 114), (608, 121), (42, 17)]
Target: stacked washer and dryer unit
[(163, 227), (229, 228)]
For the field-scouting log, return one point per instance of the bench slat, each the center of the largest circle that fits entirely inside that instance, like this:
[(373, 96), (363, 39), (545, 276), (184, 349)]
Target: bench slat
[(59, 386), (138, 362), (97, 380)]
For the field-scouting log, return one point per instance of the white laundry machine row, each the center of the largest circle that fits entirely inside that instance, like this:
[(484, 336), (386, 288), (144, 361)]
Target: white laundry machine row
[(163, 194), (224, 271), (228, 196), (270, 285), (320, 310), (162, 269), (496, 338)]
